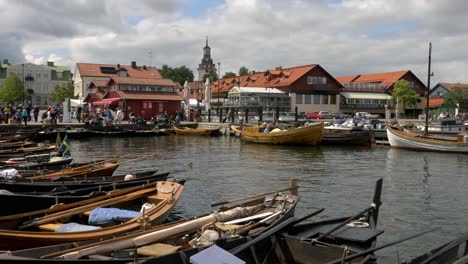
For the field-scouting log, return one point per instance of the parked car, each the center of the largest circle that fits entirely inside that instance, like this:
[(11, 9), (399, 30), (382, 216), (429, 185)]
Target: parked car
[(338, 115), (363, 114), (320, 115)]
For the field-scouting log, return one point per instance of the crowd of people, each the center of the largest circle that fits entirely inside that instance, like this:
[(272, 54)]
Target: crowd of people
[(22, 114)]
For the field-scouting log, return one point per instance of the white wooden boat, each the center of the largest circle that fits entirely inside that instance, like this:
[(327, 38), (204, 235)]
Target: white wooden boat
[(421, 142)]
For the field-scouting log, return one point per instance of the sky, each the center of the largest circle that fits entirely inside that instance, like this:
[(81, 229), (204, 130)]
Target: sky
[(345, 37)]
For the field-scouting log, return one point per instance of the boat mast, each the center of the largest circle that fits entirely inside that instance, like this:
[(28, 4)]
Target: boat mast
[(427, 91)]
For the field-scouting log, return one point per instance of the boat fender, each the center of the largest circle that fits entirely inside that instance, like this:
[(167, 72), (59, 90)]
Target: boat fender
[(358, 224), (129, 177)]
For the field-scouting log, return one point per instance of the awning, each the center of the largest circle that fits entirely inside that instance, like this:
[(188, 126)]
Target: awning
[(358, 95), (107, 101)]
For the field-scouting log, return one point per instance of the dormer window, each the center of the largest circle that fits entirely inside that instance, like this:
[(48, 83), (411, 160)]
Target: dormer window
[(122, 73)]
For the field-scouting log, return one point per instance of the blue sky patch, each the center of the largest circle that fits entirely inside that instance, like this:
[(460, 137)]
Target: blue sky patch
[(390, 29), (197, 8)]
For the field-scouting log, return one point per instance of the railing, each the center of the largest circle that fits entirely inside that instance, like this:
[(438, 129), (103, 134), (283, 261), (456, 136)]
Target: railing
[(364, 87), (360, 106)]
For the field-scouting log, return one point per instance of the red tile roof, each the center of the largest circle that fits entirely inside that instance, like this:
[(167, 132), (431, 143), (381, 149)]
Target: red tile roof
[(91, 97), (98, 83), (94, 70), (142, 81), (387, 78), (435, 102), (148, 96)]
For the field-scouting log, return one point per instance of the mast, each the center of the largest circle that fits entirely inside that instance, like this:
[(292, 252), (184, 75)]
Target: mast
[(428, 89)]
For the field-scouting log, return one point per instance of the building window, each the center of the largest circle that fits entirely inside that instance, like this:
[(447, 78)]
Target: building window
[(307, 99), (324, 80), (59, 75), (161, 107), (311, 80), (299, 99), (316, 98), (333, 99), (324, 99)]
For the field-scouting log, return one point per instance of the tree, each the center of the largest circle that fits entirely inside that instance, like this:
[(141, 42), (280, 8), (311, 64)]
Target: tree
[(243, 70), (12, 90), (6, 62), (178, 74), (455, 99), (229, 75), (404, 94), (62, 91), (212, 75)]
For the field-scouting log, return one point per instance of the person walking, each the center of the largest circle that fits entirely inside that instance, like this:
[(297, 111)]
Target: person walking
[(7, 113), (118, 116), (25, 116), (36, 113), (79, 111)]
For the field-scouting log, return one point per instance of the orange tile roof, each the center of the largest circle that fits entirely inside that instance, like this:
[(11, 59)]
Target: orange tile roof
[(435, 102), (93, 70), (142, 81), (388, 78), (148, 96), (450, 86), (99, 83), (347, 79)]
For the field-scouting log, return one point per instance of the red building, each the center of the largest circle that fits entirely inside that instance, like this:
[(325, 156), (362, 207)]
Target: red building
[(140, 90)]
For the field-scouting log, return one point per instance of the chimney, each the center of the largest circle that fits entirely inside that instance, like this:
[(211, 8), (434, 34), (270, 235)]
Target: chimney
[(118, 66), (50, 63), (144, 67), (133, 64)]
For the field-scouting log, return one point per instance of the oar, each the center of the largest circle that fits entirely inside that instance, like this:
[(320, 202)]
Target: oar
[(372, 250), (245, 230), (264, 235), (372, 207), (446, 248), (253, 196)]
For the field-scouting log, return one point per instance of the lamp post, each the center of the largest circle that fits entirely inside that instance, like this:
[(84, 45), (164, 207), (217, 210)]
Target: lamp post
[(219, 84), (429, 74), (22, 67)]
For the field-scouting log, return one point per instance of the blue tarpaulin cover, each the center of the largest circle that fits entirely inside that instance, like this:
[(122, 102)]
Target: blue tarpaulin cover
[(102, 216)]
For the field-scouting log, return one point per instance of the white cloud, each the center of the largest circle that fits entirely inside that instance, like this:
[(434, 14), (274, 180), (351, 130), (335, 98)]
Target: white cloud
[(348, 37)]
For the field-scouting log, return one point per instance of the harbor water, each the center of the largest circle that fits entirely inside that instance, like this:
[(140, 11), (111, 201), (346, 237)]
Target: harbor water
[(421, 190)]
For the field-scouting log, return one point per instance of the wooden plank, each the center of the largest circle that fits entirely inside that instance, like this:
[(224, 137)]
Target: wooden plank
[(50, 227)]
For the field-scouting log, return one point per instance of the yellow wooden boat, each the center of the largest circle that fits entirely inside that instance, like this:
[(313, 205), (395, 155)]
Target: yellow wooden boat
[(187, 131), (307, 135)]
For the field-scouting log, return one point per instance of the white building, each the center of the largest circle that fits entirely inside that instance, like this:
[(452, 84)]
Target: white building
[(38, 79)]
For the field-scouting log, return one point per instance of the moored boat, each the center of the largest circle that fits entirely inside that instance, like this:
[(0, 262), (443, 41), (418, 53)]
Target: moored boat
[(347, 135), (306, 135), (187, 131), (101, 219), (421, 142)]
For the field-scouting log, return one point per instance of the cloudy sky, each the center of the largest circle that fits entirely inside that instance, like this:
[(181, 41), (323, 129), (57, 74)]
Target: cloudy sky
[(344, 36)]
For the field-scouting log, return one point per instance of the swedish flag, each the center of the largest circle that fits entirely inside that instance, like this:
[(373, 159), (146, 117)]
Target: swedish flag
[(65, 147)]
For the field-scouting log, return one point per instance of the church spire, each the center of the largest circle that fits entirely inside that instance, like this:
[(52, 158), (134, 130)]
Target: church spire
[(206, 41)]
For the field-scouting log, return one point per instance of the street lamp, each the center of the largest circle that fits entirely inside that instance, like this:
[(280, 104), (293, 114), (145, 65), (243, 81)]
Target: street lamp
[(429, 74), (22, 67), (219, 84)]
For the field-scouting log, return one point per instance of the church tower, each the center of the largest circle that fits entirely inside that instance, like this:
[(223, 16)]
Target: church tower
[(206, 64)]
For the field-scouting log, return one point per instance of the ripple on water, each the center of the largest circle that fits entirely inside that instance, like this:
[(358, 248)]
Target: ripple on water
[(420, 191)]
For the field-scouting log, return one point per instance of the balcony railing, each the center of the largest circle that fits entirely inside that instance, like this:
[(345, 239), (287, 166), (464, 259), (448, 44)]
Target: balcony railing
[(364, 87)]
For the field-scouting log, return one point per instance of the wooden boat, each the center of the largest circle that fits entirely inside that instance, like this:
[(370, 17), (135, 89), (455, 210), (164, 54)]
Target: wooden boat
[(421, 142), (53, 162), (16, 144), (347, 135), (60, 184), (80, 223), (17, 203), (307, 135), (273, 210), (105, 167), (235, 130), (454, 252), (187, 131), (18, 152), (314, 243)]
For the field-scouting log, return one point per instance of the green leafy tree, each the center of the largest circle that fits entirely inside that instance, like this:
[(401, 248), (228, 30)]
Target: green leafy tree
[(62, 91), (6, 62), (243, 70), (455, 98), (212, 75), (178, 74), (405, 95), (12, 90), (229, 75)]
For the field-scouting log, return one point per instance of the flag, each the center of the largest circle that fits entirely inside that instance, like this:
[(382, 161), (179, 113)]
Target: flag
[(58, 140), (65, 147)]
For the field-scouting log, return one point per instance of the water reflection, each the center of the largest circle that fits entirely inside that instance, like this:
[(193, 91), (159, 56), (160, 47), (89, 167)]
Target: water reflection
[(420, 190)]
